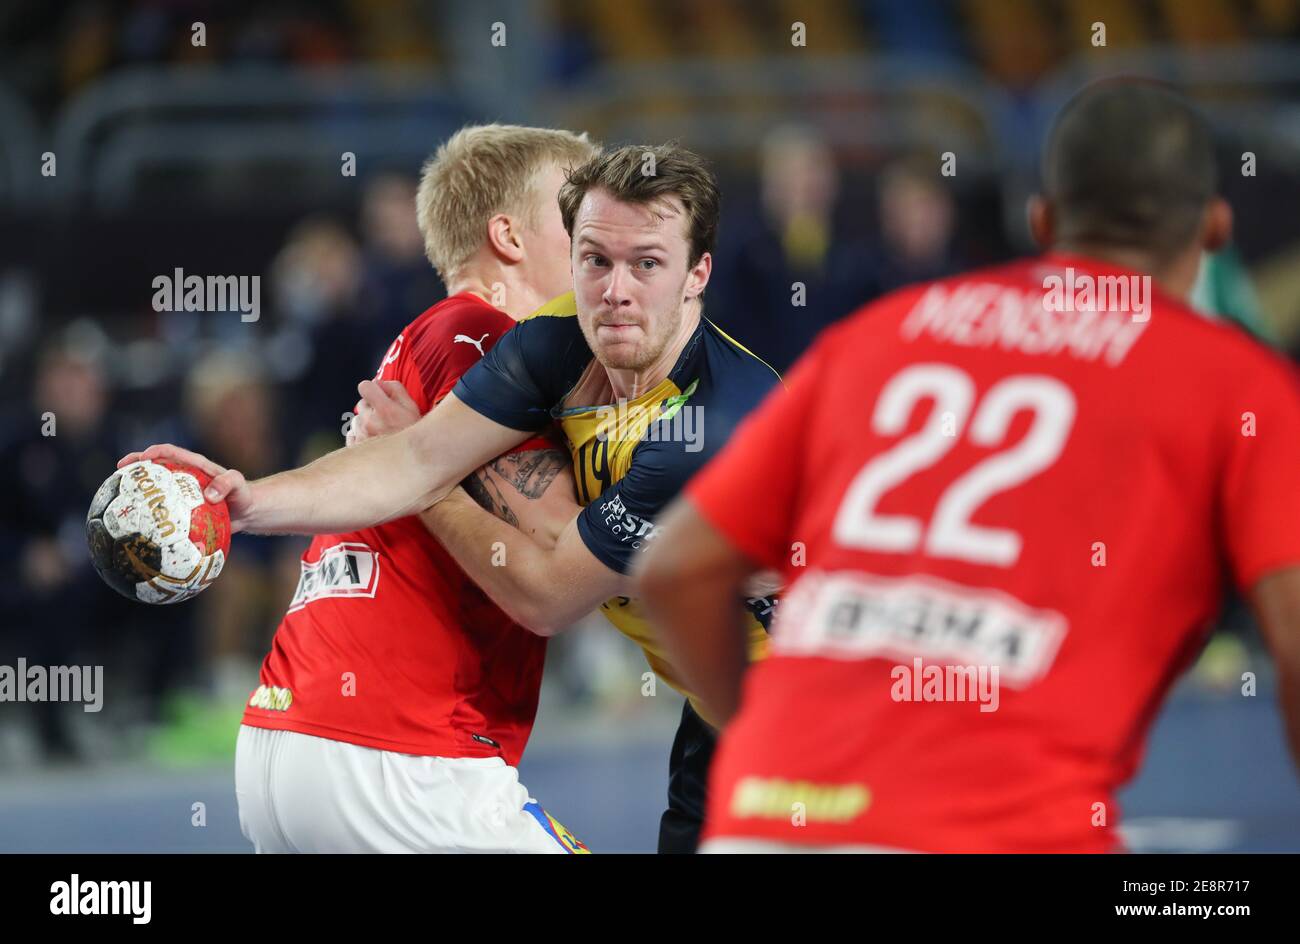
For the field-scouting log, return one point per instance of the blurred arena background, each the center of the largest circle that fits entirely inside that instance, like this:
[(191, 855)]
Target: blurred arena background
[(231, 157)]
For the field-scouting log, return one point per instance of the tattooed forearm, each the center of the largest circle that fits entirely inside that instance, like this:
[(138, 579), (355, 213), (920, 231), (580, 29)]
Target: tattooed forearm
[(485, 492), (528, 473), (532, 472)]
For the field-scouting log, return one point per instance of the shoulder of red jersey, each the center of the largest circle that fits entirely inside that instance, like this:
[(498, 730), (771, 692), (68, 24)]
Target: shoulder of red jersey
[(461, 316), (454, 334), (441, 344), (1226, 338)]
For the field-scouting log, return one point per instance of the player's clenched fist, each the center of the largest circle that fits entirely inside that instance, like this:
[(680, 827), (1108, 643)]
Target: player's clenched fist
[(385, 407), (227, 484)]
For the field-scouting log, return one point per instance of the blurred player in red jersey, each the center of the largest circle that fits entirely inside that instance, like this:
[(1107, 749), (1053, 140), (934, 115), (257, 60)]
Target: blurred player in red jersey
[(397, 698), (1006, 504)]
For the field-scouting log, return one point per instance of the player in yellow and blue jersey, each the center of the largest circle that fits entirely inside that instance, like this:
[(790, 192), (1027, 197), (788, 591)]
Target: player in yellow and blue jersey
[(658, 399), (630, 459)]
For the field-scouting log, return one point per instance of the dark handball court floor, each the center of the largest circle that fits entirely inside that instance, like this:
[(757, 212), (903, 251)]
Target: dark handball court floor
[(1217, 778)]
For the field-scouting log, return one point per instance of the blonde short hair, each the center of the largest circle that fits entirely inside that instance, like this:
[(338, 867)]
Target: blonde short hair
[(480, 171)]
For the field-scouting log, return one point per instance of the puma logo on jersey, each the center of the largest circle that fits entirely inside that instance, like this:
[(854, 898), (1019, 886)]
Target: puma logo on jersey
[(468, 340)]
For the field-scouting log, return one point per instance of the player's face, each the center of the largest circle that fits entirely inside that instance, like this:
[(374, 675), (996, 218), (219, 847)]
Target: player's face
[(549, 257), (630, 272)]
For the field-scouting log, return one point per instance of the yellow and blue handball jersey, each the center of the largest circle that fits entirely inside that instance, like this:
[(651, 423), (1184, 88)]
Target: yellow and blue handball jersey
[(631, 458)]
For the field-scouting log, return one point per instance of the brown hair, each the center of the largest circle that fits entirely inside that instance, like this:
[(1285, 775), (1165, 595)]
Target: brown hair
[(480, 171), (644, 174)]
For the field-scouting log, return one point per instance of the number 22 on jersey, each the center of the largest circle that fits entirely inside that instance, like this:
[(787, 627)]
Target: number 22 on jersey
[(949, 532)]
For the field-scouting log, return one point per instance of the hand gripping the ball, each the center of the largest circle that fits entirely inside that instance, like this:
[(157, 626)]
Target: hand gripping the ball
[(227, 484), (152, 534)]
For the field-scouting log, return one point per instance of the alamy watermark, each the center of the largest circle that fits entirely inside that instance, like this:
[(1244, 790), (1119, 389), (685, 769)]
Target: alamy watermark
[(1082, 291), (920, 682), (82, 897), (678, 423), (83, 683), (181, 292)]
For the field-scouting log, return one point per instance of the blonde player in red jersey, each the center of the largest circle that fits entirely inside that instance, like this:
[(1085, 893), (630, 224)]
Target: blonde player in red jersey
[(397, 698), (1017, 495)]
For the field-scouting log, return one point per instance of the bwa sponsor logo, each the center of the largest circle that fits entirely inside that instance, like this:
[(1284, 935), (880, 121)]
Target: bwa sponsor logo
[(847, 615), (76, 897), (344, 570)]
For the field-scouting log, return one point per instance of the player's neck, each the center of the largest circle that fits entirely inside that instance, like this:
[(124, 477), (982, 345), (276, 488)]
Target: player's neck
[(499, 289), (630, 384), (1175, 276)]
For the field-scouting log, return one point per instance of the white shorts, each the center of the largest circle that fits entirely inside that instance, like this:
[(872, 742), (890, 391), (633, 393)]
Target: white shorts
[(299, 793)]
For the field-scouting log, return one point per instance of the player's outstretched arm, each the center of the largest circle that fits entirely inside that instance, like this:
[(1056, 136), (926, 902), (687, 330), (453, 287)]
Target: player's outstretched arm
[(1276, 599), (692, 581), (360, 486), (531, 489)]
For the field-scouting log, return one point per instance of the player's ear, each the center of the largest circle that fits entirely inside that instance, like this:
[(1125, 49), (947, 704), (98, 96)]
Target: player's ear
[(1042, 221), (698, 277), (504, 239), (1216, 225)]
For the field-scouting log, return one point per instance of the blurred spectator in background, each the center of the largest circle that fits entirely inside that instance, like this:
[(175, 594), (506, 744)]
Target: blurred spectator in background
[(19, 306), (339, 306), (59, 446), (918, 220), (799, 236), (397, 281), (57, 451), (323, 347)]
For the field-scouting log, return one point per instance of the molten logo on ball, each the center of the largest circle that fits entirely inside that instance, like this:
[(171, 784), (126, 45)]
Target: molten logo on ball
[(152, 536)]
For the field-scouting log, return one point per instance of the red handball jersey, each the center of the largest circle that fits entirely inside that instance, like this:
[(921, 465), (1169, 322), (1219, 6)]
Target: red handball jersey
[(1005, 505), (387, 643)]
